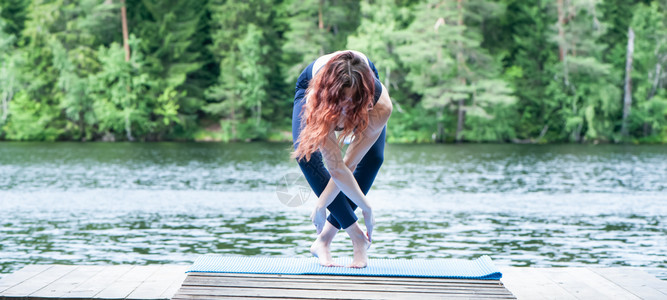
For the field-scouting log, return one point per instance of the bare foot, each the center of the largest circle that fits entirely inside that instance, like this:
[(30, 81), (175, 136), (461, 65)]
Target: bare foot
[(360, 258), (322, 251)]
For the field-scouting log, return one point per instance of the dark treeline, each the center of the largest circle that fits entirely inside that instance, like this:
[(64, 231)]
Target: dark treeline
[(524, 71)]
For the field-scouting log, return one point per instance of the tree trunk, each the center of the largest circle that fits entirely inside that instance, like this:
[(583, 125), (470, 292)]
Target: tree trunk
[(5, 108), (441, 127), (82, 132), (656, 80), (561, 31), (8, 95), (320, 23), (647, 129), (461, 62), (387, 84), (123, 17), (562, 46), (576, 135), (259, 113), (320, 17), (386, 78), (627, 95), (233, 116), (459, 123), (128, 127), (543, 132)]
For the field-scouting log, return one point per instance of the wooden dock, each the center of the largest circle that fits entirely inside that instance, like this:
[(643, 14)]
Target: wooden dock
[(171, 282), (269, 286), (583, 283), (93, 282)]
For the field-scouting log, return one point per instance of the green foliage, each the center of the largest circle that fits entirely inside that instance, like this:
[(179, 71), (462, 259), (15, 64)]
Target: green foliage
[(175, 54), (648, 117), (316, 27), (119, 93), (14, 14), (473, 70), (32, 120), (525, 33), (34, 113), (449, 68), (9, 72)]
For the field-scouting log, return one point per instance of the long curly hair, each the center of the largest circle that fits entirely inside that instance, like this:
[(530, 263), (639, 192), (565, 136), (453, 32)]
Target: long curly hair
[(328, 103)]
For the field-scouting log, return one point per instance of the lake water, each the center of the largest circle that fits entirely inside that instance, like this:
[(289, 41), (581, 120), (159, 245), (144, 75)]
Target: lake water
[(158, 203)]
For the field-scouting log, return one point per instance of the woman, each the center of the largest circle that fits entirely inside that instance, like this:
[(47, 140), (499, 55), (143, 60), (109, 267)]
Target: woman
[(340, 92)]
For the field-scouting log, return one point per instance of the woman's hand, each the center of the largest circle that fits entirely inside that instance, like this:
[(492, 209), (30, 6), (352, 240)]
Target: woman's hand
[(319, 217), (369, 220)]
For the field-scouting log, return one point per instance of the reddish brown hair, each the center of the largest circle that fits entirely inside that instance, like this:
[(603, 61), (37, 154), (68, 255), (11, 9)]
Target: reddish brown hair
[(327, 102)]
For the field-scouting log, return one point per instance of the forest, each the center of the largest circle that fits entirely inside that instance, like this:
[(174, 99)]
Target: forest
[(500, 71)]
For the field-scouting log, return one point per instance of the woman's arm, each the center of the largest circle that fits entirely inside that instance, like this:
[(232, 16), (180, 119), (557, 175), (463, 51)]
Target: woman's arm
[(340, 173), (359, 146), (362, 142)]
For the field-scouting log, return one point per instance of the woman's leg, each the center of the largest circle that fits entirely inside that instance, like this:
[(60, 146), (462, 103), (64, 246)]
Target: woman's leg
[(318, 177), (314, 171), (365, 174)]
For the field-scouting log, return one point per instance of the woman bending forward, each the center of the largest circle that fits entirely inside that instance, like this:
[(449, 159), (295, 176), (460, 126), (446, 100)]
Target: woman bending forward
[(340, 93)]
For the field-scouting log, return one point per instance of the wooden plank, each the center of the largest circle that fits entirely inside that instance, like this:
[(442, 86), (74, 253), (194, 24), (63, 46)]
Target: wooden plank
[(530, 283), (236, 285), (96, 283), (68, 282), (128, 282), (349, 286), (157, 284), (313, 294), (175, 284), (21, 275), (35, 283), (636, 281), (585, 284)]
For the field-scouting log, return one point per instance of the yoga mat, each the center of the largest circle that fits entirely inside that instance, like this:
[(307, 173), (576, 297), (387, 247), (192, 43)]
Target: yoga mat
[(480, 268)]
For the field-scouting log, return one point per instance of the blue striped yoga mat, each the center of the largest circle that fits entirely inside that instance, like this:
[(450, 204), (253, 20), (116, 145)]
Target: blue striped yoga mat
[(480, 268)]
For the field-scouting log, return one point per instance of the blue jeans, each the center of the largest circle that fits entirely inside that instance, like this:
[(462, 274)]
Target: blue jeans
[(342, 208)]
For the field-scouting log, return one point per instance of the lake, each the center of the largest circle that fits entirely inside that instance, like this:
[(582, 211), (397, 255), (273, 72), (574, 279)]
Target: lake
[(164, 203)]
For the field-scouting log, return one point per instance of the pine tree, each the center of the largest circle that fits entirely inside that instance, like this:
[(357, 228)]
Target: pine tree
[(375, 37), (10, 80), (15, 13), (169, 31), (89, 24), (586, 91), (34, 112), (118, 91), (253, 75), (649, 113), (244, 38), (317, 27), (524, 39), (448, 67)]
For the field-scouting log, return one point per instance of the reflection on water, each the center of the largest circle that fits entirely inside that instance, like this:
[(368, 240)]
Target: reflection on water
[(166, 203)]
